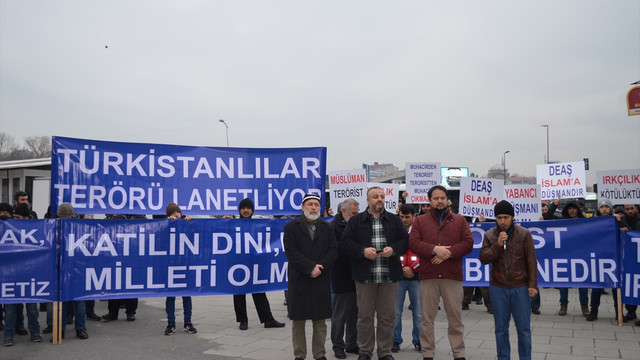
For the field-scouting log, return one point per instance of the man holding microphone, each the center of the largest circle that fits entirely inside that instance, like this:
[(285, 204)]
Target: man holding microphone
[(514, 279)]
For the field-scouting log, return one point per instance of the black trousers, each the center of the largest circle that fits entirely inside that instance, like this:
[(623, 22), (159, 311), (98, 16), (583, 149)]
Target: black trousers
[(130, 305), (262, 307)]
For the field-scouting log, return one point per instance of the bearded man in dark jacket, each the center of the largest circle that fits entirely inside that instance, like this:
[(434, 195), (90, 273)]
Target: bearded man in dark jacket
[(310, 245)]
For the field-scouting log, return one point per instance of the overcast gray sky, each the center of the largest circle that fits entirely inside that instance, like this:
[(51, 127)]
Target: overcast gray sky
[(458, 82)]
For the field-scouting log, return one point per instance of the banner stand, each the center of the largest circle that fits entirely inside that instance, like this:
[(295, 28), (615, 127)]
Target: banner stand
[(619, 306), (57, 325)]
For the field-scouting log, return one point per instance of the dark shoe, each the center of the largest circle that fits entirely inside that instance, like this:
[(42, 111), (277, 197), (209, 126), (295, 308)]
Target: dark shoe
[(593, 315), (170, 329), (339, 354), (8, 342), (243, 325), (427, 358), (93, 316), (387, 357), (355, 350), (410, 307), (273, 324), (479, 301), (535, 311), (48, 330), (322, 358), (630, 316), (36, 338), (20, 330), (188, 327), (637, 323), (490, 310), (364, 357), (109, 317), (563, 310), (585, 310), (82, 334), (465, 306), (418, 347), (460, 358), (131, 317), (396, 347)]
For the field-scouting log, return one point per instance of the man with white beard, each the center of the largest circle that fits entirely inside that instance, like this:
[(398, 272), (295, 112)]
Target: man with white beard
[(310, 245)]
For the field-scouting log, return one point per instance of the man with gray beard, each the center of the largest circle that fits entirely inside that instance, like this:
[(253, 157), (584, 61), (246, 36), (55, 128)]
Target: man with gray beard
[(345, 306), (310, 246)]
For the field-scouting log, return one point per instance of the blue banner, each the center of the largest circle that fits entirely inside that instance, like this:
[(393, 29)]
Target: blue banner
[(630, 245), (579, 253), (100, 177), (144, 258), (28, 259)]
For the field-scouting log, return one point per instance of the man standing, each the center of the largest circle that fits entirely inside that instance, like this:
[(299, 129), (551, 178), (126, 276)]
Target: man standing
[(409, 284), (514, 279), (22, 197), (310, 245), (441, 238), (345, 306), (245, 210), (375, 239)]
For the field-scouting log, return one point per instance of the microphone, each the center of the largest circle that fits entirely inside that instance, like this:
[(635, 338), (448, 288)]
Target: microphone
[(505, 241)]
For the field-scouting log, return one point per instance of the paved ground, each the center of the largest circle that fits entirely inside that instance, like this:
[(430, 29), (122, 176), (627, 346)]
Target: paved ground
[(218, 337)]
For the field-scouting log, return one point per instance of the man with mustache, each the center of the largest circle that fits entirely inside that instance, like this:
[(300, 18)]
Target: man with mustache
[(375, 239)]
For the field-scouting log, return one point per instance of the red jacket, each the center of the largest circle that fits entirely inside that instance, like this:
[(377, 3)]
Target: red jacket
[(427, 233)]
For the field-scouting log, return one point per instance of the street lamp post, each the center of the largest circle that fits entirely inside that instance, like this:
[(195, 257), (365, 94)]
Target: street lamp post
[(227, 129), (504, 165), (547, 126)]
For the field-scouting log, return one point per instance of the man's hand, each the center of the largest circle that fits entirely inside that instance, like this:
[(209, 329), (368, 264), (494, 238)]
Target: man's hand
[(370, 253), (437, 260), (502, 238), (317, 271), (533, 292), (386, 252), (407, 272), (442, 251)]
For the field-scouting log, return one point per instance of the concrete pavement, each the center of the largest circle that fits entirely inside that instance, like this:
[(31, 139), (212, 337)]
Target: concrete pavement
[(554, 337)]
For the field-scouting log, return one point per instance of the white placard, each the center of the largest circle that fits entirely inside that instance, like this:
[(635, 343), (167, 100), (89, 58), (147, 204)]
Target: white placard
[(345, 184), (420, 177), (526, 201), (390, 195), (478, 196), (619, 186), (564, 180)]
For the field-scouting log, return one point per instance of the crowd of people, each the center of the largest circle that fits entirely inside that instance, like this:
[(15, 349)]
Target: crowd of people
[(357, 271)]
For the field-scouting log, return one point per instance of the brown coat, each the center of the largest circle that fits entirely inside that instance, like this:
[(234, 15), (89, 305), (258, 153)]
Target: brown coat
[(517, 265)]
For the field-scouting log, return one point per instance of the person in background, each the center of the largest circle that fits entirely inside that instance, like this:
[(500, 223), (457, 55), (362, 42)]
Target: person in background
[(409, 284), (245, 210), (344, 321), (66, 211), (175, 213)]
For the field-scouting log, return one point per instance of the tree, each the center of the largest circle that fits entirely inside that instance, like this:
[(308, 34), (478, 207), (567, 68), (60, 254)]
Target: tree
[(7, 146), (40, 146)]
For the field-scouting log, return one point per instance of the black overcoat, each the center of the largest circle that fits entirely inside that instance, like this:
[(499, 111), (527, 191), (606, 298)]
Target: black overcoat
[(309, 298)]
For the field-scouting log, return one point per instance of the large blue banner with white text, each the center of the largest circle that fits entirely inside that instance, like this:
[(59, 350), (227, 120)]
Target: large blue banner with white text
[(100, 177), (630, 245), (579, 253), (28, 259), (141, 258)]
